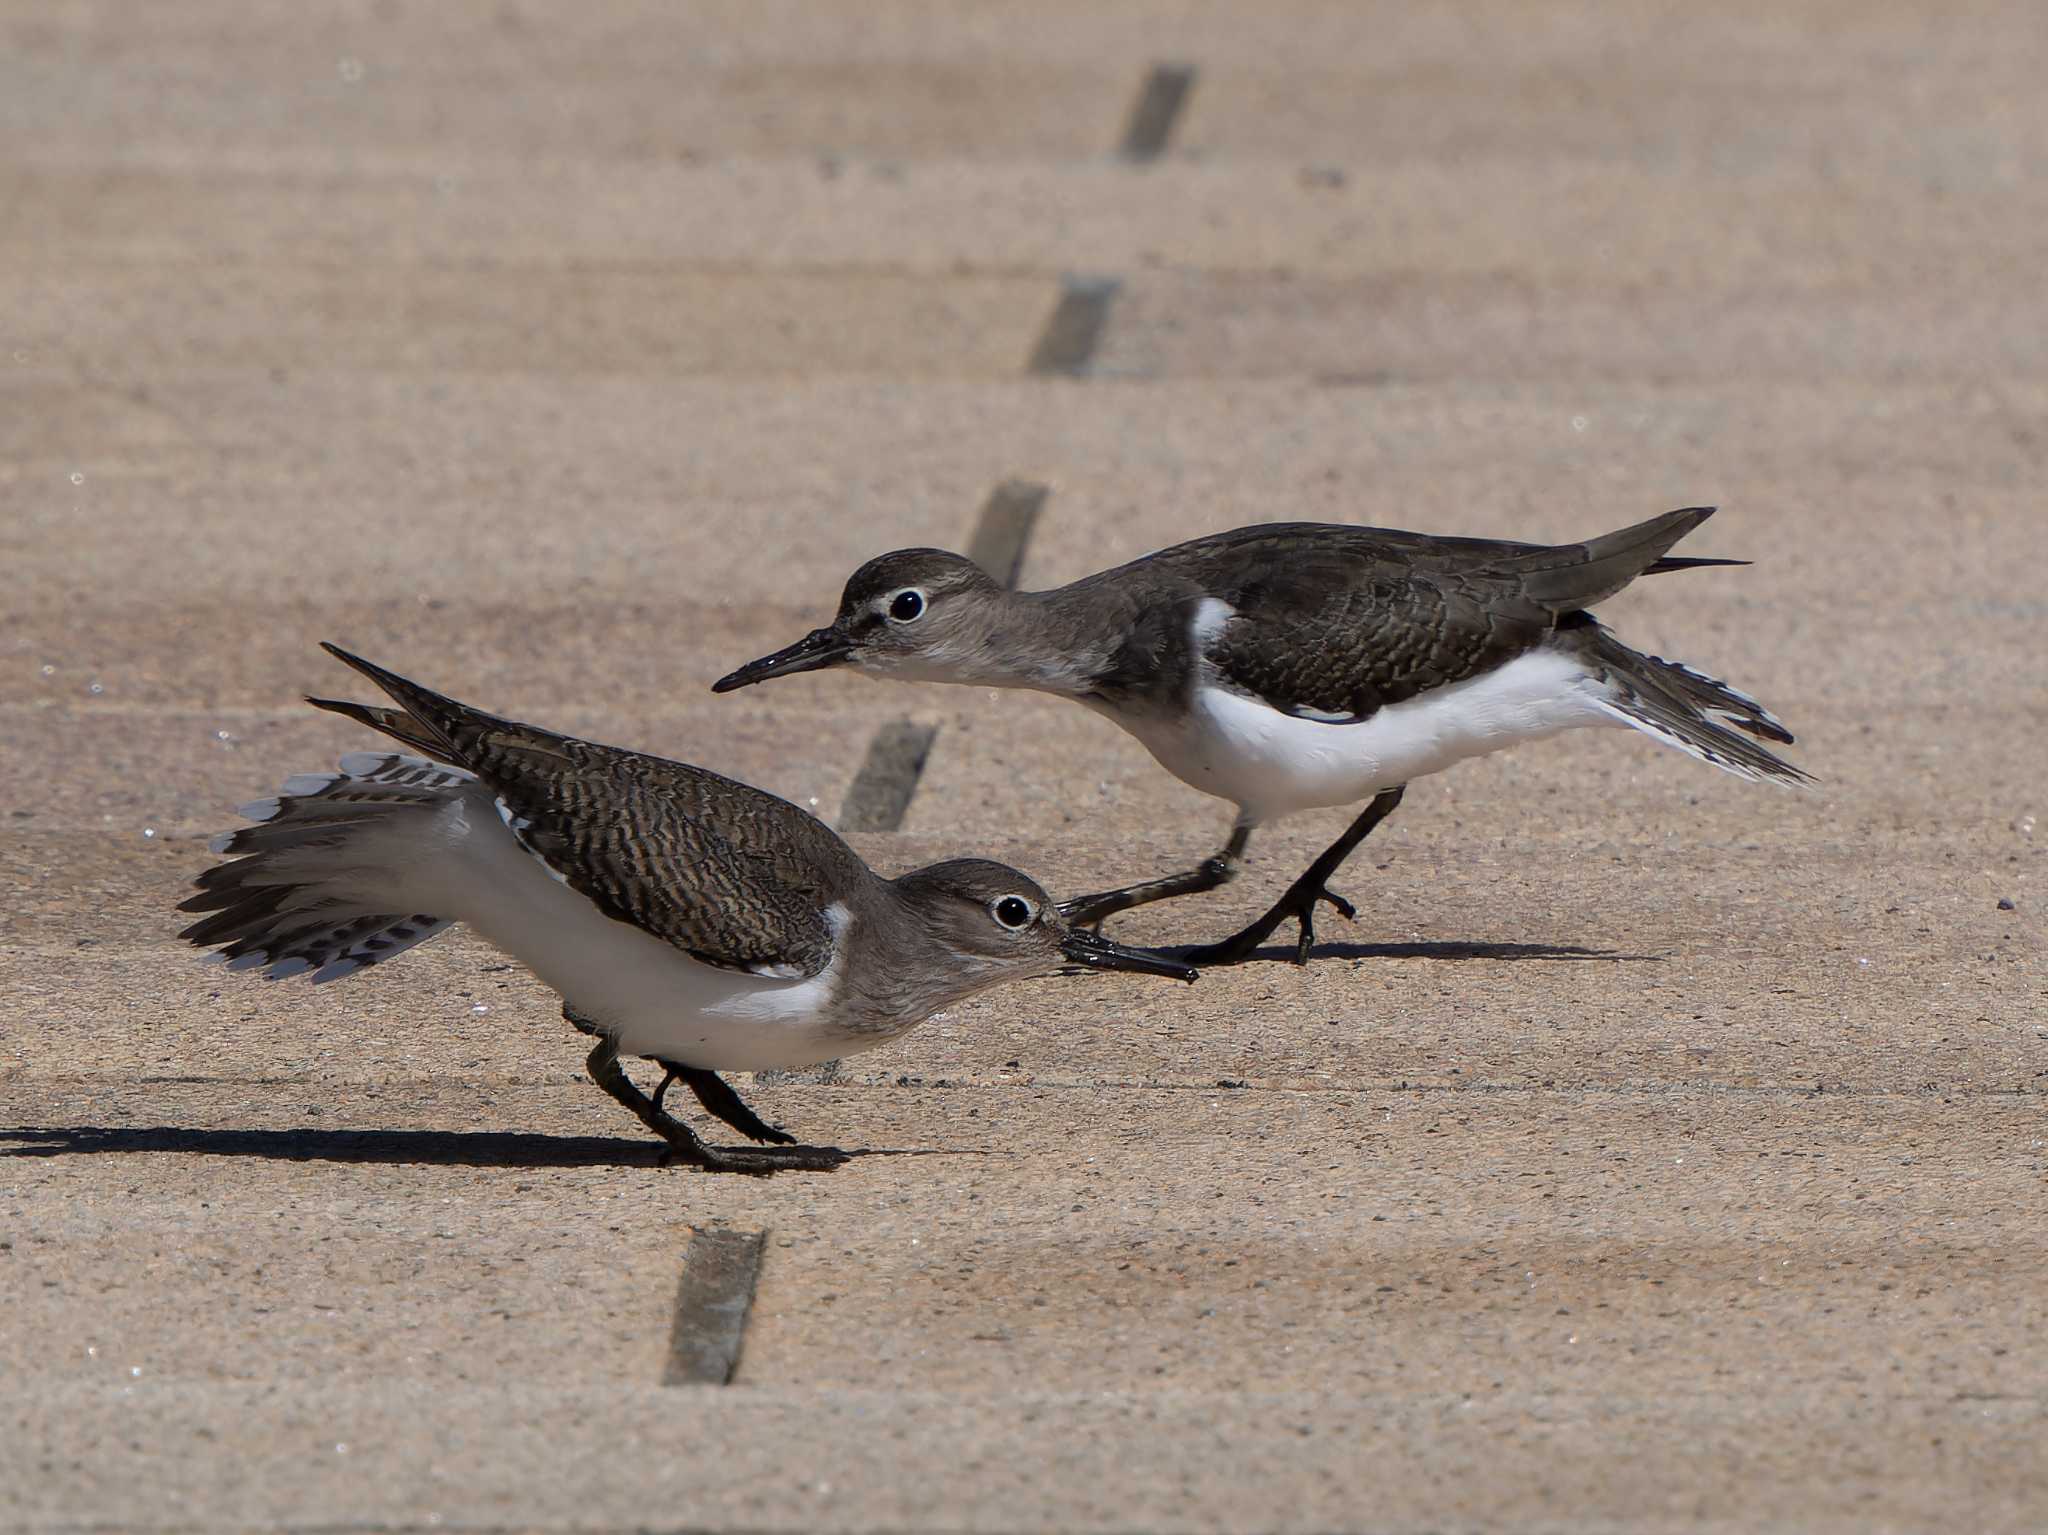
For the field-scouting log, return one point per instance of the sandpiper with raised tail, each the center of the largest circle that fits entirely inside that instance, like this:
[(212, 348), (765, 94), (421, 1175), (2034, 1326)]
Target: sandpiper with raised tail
[(682, 916), (1302, 665)]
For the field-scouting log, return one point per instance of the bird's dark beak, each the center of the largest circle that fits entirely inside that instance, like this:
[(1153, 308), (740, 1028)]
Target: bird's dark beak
[(820, 648), (1098, 953)]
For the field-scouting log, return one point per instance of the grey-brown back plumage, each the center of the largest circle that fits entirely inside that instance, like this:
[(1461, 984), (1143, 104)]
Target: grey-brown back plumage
[(726, 872), (1338, 622)]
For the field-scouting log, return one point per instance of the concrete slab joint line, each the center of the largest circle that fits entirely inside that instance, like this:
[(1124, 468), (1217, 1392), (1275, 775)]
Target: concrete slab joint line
[(1067, 344), (881, 791), (1003, 532), (1157, 110), (720, 1269)]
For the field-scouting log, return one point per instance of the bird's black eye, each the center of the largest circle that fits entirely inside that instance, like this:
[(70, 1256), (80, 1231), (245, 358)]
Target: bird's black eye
[(907, 605), (1013, 911)]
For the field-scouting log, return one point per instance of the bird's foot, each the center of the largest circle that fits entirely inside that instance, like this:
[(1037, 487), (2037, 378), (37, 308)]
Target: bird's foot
[(1091, 911), (1299, 903)]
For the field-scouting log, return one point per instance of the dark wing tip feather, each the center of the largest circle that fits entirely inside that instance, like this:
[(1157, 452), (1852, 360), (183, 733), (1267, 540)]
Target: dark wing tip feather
[(1672, 562), (350, 658), (1566, 577), (401, 725), (435, 714), (401, 689), (362, 714)]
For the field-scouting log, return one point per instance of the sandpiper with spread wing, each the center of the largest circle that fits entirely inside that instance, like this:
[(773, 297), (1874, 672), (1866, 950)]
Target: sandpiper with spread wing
[(683, 916), (1295, 666)]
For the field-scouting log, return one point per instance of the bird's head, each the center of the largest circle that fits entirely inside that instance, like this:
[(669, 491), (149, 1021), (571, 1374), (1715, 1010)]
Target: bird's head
[(918, 614), (1000, 925)]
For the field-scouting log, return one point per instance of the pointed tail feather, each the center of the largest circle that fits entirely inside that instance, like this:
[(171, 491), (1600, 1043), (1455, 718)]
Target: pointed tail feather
[(401, 727), (309, 890), (1684, 708), (437, 716), (1672, 562), (1572, 576)]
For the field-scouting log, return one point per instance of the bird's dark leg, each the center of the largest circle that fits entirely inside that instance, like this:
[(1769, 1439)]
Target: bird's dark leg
[(669, 1072), (606, 1072), (717, 1098), (721, 1102), (1090, 910), (1300, 900)]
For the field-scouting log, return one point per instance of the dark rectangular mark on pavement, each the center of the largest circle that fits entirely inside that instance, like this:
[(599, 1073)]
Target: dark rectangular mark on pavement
[(880, 793), (1157, 109), (720, 1269), (1067, 344), (1003, 532)]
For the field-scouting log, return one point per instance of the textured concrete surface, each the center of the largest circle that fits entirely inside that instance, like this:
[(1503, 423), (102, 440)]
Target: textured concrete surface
[(1655, 1152)]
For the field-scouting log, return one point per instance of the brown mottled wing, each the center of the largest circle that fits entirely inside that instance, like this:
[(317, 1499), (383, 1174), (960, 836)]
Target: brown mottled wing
[(1345, 650), (731, 875), (1330, 622), (1338, 622)]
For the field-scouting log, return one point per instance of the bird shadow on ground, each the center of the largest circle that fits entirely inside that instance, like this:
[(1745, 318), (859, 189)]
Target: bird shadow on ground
[(1452, 949), (443, 1148)]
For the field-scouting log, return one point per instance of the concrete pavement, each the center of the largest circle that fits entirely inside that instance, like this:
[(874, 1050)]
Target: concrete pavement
[(1656, 1151)]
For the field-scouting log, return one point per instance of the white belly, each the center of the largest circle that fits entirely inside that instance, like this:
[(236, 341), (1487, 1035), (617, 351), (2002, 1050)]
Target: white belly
[(655, 999), (1273, 764)]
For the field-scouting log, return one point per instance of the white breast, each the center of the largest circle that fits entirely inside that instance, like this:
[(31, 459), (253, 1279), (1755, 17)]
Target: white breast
[(654, 997), (1273, 764)]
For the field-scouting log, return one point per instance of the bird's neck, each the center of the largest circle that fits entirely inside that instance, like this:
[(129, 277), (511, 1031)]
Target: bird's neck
[(905, 972), (1045, 641)]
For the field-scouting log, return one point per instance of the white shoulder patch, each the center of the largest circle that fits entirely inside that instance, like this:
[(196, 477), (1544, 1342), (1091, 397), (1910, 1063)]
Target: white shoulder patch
[(517, 824), (838, 922), (1211, 614)]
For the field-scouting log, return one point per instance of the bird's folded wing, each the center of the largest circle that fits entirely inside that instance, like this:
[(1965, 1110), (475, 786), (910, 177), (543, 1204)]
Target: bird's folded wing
[(726, 872), (720, 870), (1343, 630)]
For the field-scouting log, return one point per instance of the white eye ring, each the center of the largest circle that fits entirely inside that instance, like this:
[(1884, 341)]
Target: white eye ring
[(1013, 912), (907, 606)]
